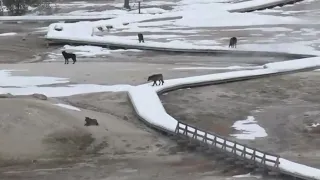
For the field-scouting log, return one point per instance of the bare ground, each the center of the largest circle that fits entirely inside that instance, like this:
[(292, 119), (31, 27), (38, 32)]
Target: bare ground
[(284, 106), (121, 147)]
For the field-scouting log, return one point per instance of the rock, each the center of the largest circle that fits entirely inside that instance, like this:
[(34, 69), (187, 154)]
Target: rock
[(40, 96)]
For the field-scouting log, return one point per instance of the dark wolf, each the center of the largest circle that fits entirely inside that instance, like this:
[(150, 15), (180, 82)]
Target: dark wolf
[(140, 37), (155, 78), (233, 42), (68, 56), (91, 122)]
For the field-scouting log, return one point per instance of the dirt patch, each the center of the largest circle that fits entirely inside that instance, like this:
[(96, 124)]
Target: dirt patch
[(24, 46)]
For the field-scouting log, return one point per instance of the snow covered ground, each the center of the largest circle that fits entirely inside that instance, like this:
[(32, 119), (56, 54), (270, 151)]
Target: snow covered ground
[(185, 31)]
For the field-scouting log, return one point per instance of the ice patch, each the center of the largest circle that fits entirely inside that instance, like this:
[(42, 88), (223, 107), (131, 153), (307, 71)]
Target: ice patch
[(249, 128), (68, 107)]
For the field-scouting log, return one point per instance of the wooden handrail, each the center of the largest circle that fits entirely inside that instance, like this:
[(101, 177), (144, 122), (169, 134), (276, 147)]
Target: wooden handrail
[(258, 157)]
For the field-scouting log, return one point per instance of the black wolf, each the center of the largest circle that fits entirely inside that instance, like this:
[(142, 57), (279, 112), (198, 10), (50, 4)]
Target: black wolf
[(140, 37), (91, 122), (155, 78), (68, 56), (233, 42)]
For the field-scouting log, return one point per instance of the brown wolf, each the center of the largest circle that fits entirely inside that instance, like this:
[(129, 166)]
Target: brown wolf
[(68, 56), (91, 122), (155, 78), (233, 42)]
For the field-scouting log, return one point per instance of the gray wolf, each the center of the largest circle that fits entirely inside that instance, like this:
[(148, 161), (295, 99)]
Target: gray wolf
[(233, 42), (140, 37), (91, 122), (155, 78), (68, 56)]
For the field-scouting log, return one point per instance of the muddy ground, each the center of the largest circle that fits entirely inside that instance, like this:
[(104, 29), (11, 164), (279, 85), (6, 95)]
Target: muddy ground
[(284, 106)]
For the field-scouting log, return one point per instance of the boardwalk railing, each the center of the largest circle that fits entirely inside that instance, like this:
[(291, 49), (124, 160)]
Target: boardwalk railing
[(234, 149)]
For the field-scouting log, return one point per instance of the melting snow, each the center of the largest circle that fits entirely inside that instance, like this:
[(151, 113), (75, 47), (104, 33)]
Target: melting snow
[(249, 128), (68, 106)]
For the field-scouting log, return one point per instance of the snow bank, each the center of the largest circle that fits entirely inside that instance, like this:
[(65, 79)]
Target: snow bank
[(8, 34), (255, 3)]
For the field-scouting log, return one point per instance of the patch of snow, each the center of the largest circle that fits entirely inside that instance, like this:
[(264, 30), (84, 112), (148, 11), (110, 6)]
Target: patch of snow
[(315, 125), (249, 128), (265, 29), (253, 3), (249, 175), (7, 80), (219, 68), (68, 90), (68, 106), (27, 85), (8, 34)]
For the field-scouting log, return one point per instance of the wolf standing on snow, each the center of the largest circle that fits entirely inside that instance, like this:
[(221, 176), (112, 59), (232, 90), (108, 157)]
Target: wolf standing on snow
[(68, 56), (140, 37), (155, 78), (233, 42)]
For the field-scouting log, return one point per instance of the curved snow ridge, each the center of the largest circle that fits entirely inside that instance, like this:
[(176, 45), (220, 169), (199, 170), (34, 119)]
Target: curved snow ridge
[(149, 108), (253, 5)]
